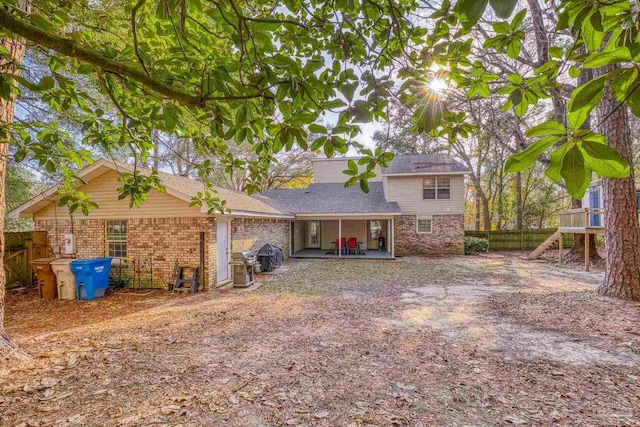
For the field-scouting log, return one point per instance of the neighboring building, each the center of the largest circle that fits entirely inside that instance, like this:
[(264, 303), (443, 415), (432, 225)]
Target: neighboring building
[(593, 199), (164, 229), (416, 204)]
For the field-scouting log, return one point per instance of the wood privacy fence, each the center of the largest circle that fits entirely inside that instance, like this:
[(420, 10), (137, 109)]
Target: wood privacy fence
[(19, 250), (519, 239)]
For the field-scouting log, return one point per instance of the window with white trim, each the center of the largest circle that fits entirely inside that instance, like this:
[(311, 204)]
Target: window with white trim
[(117, 238), (436, 188), (423, 225)]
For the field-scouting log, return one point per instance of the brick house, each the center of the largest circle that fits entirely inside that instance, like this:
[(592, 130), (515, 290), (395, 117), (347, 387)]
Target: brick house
[(164, 229), (416, 205)]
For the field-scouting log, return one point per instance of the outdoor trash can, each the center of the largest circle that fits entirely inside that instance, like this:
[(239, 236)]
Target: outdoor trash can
[(45, 277), (92, 277), (65, 279)]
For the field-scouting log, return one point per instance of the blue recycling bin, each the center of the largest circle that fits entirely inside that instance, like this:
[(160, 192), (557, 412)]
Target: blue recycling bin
[(92, 277)]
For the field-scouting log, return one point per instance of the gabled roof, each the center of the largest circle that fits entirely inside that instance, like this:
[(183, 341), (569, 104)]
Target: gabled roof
[(424, 164), (178, 186), (334, 198)]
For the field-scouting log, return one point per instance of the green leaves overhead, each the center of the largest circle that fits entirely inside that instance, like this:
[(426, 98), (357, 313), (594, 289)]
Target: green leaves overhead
[(525, 159), (470, 11), (509, 36), (503, 8), (583, 100), (575, 157), (615, 56)]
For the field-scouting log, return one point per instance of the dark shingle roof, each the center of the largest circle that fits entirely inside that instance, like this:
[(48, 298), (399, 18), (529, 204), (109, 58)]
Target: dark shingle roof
[(424, 163), (333, 198)]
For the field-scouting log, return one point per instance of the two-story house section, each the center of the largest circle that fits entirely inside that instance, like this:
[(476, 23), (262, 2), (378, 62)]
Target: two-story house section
[(414, 206)]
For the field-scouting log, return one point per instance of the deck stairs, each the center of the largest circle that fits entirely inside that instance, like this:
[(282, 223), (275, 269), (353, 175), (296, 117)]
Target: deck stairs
[(544, 246)]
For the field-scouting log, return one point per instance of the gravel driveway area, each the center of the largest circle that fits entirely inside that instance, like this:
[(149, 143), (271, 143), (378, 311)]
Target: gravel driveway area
[(420, 341)]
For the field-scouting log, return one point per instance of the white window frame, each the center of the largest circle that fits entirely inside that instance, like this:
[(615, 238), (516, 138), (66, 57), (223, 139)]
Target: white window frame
[(108, 241), (418, 219), (436, 187)]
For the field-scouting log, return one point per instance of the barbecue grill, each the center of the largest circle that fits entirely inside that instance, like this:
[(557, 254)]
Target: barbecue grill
[(243, 268)]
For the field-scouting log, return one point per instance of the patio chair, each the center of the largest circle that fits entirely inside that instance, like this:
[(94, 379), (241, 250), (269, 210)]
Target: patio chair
[(341, 246), (352, 246)]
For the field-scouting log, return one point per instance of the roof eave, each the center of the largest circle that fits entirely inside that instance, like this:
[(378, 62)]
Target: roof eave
[(466, 172), (371, 214), (251, 214), (49, 192)]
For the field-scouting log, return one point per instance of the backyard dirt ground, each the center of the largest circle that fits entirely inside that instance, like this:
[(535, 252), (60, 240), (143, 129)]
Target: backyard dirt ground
[(481, 340)]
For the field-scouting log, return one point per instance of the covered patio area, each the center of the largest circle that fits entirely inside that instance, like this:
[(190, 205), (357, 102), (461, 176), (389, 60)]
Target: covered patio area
[(321, 253), (362, 236)]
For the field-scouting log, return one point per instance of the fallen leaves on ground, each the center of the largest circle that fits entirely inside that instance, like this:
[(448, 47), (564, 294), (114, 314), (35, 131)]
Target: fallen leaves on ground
[(414, 342)]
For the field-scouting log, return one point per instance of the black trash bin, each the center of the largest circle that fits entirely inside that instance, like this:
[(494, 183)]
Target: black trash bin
[(270, 257)]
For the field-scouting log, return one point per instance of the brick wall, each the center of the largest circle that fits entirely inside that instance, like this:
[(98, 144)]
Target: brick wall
[(162, 240), (165, 240), (408, 241), (252, 234), (90, 235)]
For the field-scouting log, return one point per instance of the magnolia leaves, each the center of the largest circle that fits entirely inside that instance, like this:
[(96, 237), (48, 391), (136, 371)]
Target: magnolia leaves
[(624, 83), (470, 11), (370, 160), (509, 36), (574, 161)]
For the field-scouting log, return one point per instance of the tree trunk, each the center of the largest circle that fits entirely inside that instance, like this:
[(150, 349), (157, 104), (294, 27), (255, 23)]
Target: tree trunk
[(16, 48), (477, 220), (519, 201), (486, 212), (622, 274)]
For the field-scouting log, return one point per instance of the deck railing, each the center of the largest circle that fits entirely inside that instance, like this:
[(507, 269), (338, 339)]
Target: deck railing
[(582, 217)]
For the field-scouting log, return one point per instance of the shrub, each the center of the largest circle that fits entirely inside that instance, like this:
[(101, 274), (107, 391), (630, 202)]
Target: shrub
[(474, 245)]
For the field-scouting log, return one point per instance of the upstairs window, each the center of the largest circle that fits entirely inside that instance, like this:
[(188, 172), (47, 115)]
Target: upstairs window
[(117, 238), (436, 188)]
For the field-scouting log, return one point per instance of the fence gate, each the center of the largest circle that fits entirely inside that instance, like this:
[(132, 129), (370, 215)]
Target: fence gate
[(20, 249)]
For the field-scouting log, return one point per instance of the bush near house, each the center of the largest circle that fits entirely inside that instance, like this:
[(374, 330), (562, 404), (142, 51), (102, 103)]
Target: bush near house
[(473, 245)]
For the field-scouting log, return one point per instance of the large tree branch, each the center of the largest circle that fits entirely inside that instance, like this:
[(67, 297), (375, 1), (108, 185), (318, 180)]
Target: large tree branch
[(73, 49)]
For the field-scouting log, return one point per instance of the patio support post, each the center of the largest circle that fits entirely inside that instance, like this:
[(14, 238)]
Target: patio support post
[(586, 250), (339, 238), (393, 237), (560, 248)]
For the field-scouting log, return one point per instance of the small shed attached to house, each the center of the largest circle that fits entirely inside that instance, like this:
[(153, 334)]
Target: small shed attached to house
[(164, 229)]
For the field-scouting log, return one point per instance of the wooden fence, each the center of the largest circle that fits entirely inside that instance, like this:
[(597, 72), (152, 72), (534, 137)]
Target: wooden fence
[(19, 249), (518, 239)]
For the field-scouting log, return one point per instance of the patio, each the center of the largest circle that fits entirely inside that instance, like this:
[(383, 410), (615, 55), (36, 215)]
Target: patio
[(322, 253), (365, 236)]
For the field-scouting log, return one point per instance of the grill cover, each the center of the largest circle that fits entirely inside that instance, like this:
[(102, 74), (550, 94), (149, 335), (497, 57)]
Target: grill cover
[(270, 257)]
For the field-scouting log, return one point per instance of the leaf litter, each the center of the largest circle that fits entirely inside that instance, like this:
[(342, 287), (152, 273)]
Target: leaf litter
[(418, 341)]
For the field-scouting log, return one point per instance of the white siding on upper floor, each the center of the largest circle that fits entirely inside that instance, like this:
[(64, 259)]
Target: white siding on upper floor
[(330, 171), (407, 192), (385, 187), (104, 191)]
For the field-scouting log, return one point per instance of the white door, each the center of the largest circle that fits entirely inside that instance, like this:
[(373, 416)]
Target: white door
[(223, 250), (313, 234)]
